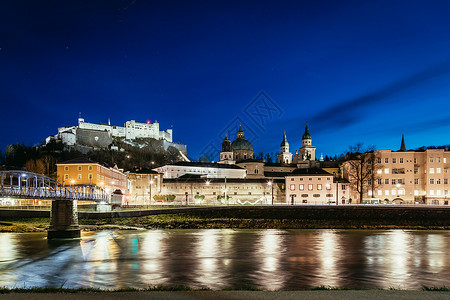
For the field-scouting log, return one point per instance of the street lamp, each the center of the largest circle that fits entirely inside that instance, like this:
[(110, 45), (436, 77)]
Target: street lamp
[(151, 183), (270, 183)]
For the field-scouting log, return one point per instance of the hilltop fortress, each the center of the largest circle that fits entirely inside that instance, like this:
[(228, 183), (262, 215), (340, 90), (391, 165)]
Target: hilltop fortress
[(101, 135)]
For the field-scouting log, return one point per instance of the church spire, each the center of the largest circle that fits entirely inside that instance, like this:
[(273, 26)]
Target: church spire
[(402, 146)]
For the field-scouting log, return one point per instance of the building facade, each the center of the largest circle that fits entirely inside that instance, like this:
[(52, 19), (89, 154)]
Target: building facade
[(82, 171), (143, 185), (206, 170), (316, 186)]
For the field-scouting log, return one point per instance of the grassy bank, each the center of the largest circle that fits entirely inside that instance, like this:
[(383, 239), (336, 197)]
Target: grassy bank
[(235, 219)]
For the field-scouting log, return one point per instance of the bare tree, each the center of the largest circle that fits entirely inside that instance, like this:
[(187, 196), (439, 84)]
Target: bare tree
[(361, 169)]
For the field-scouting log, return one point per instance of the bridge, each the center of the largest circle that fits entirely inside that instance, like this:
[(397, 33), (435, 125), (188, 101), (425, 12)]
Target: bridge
[(64, 216), (27, 185)]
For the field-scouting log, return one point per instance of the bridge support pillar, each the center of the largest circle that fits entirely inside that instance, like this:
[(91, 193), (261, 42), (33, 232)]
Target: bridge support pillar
[(64, 220)]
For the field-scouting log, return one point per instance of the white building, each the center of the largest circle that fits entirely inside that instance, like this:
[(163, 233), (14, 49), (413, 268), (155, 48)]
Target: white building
[(206, 170)]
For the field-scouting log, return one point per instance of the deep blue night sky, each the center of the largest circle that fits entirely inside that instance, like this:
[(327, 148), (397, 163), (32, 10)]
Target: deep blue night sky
[(354, 70)]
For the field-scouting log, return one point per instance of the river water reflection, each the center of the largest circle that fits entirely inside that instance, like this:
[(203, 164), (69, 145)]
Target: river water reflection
[(217, 259)]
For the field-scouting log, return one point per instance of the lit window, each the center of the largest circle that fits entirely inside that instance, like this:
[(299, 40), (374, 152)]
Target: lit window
[(401, 192), (319, 187), (369, 193), (438, 192), (386, 171), (445, 192), (301, 187), (292, 187), (438, 170), (386, 192), (379, 171), (431, 170), (380, 192), (310, 187), (445, 160), (416, 193), (394, 192), (328, 186), (431, 193)]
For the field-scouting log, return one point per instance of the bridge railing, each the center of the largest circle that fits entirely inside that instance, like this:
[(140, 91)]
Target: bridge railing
[(19, 184)]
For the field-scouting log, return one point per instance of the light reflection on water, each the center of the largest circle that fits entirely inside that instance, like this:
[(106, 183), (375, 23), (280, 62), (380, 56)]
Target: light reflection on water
[(224, 258)]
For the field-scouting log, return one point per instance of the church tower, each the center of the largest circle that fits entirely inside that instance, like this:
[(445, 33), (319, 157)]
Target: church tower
[(402, 146), (226, 155), (285, 157), (307, 152)]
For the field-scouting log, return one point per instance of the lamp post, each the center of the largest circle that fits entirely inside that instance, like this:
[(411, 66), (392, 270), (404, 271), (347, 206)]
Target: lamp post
[(270, 183), (151, 183)]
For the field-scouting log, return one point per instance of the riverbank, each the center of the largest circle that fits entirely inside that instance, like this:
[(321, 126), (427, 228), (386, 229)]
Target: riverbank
[(253, 218), (234, 295)]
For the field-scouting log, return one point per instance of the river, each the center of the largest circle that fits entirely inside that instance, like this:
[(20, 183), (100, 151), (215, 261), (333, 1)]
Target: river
[(225, 258)]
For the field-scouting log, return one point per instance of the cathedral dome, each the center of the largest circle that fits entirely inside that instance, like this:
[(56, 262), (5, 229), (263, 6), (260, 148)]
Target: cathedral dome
[(306, 135), (241, 144)]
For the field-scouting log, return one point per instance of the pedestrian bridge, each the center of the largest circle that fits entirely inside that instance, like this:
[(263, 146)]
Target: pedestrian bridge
[(27, 185)]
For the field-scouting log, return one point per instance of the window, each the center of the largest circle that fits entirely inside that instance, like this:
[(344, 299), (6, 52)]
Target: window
[(415, 160), (386, 160), (386, 181), (431, 181), (401, 160), (90, 168), (379, 181), (438, 181), (445, 160), (431, 170), (329, 195), (66, 176), (66, 168), (369, 181), (301, 187), (416, 170), (310, 178), (369, 193), (79, 176), (89, 176), (379, 160), (401, 192), (386, 171), (305, 195), (344, 187), (380, 192), (328, 186), (445, 192), (438, 170), (416, 193), (386, 192), (316, 195), (394, 182), (438, 192), (319, 187), (304, 201), (431, 193), (79, 168), (310, 187), (292, 187), (438, 159), (394, 192), (379, 171), (445, 181), (431, 159), (292, 179), (394, 160), (301, 179)]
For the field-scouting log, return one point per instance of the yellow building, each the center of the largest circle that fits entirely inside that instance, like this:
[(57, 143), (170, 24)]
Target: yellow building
[(82, 171)]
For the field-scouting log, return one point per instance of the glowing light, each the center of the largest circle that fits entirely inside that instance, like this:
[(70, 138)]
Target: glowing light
[(72, 181), (269, 183), (207, 182)]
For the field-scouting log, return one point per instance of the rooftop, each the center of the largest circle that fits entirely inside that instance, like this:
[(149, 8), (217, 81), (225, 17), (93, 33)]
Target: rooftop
[(309, 172), (204, 165)]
